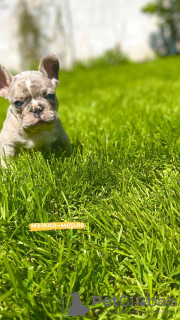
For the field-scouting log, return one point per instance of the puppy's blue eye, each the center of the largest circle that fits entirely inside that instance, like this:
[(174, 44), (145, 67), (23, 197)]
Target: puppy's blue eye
[(18, 103), (50, 96)]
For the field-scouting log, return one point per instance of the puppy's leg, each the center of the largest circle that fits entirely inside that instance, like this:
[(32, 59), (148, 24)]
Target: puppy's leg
[(7, 151), (62, 139), (63, 143)]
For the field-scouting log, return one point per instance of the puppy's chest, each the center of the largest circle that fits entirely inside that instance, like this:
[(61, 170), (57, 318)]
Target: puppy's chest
[(45, 138)]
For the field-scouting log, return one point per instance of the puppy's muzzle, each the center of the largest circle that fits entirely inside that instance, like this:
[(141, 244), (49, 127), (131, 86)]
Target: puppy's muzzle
[(37, 111)]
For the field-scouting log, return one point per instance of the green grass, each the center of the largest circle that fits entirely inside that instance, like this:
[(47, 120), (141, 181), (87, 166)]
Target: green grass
[(122, 181)]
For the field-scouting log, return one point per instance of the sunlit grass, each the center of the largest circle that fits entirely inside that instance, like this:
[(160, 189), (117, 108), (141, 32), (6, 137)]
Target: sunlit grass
[(122, 181)]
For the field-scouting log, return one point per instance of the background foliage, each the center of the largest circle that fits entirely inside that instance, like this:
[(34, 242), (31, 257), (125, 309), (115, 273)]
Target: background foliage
[(167, 40)]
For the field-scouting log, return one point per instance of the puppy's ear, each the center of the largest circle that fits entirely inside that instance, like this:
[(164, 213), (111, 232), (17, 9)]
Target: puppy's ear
[(5, 81), (49, 66)]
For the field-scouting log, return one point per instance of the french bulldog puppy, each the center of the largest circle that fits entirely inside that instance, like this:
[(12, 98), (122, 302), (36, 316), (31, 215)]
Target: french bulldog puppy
[(32, 120)]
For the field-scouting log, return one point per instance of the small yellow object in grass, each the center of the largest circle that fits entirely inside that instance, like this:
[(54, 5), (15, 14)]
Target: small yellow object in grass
[(56, 225)]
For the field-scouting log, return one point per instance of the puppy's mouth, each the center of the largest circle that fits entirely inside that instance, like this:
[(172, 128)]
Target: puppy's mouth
[(36, 121), (41, 118), (40, 121)]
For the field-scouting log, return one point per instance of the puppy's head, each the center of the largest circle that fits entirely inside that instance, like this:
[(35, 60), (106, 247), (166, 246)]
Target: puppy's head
[(32, 94)]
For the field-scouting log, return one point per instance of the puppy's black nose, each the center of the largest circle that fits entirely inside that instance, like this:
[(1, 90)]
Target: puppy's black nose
[(37, 110)]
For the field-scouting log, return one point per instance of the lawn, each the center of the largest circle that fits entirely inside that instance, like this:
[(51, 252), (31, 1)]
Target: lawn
[(122, 181)]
